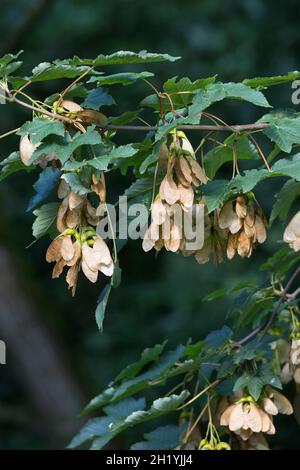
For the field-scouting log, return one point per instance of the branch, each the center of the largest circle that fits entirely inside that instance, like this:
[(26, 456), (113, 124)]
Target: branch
[(198, 127), (238, 128), (264, 328)]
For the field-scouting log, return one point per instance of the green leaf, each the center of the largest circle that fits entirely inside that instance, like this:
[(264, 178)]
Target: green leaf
[(120, 57), (101, 307), (94, 428), (123, 78), (13, 164), (117, 276), (181, 92), (145, 379), (97, 98), (215, 193), (265, 82), (8, 64), (216, 294), (162, 438), (40, 128), (140, 186), (102, 430), (218, 338), (219, 91), (73, 180), (46, 182), (152, 157), (63, 147), (285, 132), (99, 401), (284, 200), (124, 118), (221, 154), (45, 216), (147, 356)]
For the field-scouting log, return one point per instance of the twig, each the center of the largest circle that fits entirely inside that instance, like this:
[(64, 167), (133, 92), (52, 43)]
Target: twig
[(263, 329), (191, 127)]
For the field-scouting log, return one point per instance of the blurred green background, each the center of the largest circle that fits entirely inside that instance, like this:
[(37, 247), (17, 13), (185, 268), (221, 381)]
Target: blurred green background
[(56, 359)]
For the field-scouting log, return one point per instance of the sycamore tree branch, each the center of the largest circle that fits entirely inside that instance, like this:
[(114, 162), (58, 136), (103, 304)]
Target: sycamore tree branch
[(283, 296), (238, 128), (192, 127)]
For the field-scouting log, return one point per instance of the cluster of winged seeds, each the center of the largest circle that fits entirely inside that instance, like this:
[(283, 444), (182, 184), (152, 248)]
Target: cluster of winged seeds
[(246, 223), (176, 196), (79, 246), (246, 417)]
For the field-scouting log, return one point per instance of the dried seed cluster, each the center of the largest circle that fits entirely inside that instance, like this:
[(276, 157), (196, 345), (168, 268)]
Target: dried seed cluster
[(246, 224), (176, 196), (291, 369), (78, 246), (245, 416)]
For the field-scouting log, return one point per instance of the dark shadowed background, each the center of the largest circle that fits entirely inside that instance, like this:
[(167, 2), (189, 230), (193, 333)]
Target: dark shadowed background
[(56, 358)]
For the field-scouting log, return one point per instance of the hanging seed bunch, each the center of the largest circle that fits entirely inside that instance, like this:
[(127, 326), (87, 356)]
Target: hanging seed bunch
[(291, 369), (246, 223), (291, 234), (79, 246), (247, 416), (176, 195), (215, 239)]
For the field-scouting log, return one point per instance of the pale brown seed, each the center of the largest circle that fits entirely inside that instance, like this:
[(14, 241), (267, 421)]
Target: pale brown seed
[(60, 220), (72, 276), (168, 190), (296, 375), (186, 196), (158, 212), (261, 232), (71, 106), (241, 207), (54, 250), (292, 231), (282, 403), (107, 269), (232, 245), (58, 268), (27, 148), (250, 231), (163, 155), (237, 418), (224, 420), (269, 406), (98, 187), (67, 248), (77, 254), (179, 175), (250, 217), (253, 418), (197, 170), (227, 215), (244, 245), (185, 169), (101, 252), (72, 218), (75, 201), (265, 420), (63, 189), (89, 273), (286, 374), (151, 236), (89, 116)]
